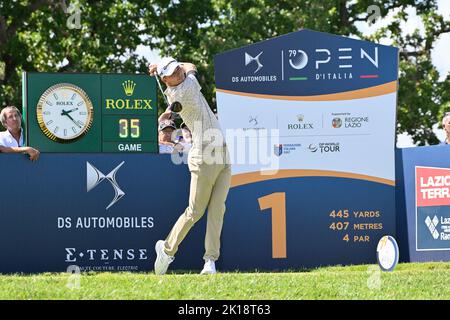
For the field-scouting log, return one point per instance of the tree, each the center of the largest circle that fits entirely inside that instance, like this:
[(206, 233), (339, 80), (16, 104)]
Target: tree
[(422, 98), (34, 36)]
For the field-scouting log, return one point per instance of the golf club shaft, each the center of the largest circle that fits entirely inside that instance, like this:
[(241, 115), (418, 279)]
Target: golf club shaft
[(162, 91), (174, 115)]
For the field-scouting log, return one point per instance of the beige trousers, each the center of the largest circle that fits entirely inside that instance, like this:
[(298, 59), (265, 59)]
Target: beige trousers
[(210, 183)]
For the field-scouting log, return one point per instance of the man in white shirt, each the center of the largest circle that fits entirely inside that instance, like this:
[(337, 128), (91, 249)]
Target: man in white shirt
[(11, 140), (210, 180)]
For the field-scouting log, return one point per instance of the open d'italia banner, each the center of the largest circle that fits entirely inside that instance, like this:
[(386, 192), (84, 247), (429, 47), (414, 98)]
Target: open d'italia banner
[(309, 119)]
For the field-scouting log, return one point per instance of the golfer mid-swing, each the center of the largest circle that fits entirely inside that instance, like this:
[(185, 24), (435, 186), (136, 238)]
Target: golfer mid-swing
[(209, 167)]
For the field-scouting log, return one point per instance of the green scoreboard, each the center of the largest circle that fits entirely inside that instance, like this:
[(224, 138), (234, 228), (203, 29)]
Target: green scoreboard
[(80, 112)]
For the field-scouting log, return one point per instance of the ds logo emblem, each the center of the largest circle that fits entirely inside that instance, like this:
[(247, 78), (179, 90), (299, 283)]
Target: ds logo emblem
[(95, 176)]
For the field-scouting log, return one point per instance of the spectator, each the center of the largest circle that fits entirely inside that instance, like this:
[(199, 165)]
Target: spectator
[(166, 144), (11, 140), (446, 127)]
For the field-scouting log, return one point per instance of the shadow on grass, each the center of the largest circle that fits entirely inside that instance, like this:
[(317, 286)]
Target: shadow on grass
[(281, 271), (358, 267)]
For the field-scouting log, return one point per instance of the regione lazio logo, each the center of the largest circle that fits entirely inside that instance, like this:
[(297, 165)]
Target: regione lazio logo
[(336, 123), (249, 59), (95, 176), (432, 225)]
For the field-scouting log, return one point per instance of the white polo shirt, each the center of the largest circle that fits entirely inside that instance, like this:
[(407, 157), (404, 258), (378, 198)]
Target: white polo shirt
[(196, 113), (7, 140)]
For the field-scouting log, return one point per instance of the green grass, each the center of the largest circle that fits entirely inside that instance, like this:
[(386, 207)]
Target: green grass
[(408, 281)]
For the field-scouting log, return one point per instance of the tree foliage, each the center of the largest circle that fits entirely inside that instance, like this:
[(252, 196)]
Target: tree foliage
[(34, 36)]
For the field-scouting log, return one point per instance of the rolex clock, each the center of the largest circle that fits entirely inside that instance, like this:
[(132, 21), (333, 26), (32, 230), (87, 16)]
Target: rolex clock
[(90, 112), (64, 113)]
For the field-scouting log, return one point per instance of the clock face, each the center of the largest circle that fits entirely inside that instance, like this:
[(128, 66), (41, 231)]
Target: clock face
[(64, 113)]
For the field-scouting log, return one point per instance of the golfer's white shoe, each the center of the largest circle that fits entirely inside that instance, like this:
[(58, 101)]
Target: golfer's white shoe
[(209, 267), (162, 259)]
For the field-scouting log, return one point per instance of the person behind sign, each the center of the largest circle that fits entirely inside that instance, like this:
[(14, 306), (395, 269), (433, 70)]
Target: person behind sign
[(210, 181), (446, 127), (165, 130), (11, 140)]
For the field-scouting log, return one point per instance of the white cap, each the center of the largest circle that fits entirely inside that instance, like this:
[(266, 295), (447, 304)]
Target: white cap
[(167, 66)]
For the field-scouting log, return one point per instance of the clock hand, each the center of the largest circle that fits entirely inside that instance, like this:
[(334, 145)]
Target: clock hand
[(72, 110), (66, 113)]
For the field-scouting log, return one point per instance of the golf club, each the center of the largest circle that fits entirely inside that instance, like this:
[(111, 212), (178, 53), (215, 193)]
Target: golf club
[(160, 88), (175, 106)]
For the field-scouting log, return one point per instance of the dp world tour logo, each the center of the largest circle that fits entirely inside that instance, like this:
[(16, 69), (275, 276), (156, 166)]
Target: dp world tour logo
[(95, 176), (312, 147), (432, 225)]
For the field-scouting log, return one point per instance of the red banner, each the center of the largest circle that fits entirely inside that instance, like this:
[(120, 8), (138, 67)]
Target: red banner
[(432, 186)]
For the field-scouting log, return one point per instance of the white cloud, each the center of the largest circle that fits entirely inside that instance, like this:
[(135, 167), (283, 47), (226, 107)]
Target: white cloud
[(439, 55), (152, 56), (404, 141), (412, 23), (444, 8)]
